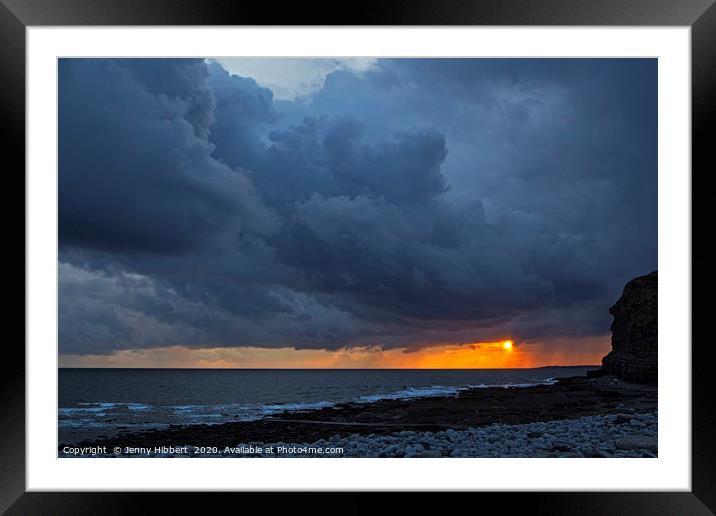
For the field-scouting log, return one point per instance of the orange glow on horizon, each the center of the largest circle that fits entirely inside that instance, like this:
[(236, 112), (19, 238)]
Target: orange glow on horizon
[(478, 355)]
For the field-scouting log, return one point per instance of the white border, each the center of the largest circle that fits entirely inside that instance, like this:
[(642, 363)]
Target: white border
[(670, 471)]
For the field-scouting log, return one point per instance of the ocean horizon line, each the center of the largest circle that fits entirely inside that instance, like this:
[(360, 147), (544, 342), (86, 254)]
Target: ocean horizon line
[(337, 368)]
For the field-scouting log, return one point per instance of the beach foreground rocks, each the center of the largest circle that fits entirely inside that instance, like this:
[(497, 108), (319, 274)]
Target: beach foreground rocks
[(585, 437)]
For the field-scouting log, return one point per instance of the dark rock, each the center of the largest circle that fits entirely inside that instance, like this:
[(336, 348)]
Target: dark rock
[(572, 380), (606, 392), (597, 373), (561, 446), (602, 453), (634, 332), (622, 418), (635, 442)]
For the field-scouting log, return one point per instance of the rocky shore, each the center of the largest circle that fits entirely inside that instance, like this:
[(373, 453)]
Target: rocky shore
[(576, 417), (618, 435)]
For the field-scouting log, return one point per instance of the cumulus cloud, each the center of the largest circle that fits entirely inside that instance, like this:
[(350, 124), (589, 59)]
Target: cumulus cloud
[(135, 170), (409, 203), (292, 79)]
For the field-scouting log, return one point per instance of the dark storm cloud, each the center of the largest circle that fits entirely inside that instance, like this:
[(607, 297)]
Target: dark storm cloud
[(328, 156), (423, 201), (134, 175), (243, 109)]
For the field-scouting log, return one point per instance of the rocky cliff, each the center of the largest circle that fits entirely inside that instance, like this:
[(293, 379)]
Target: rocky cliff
[(634, 332)]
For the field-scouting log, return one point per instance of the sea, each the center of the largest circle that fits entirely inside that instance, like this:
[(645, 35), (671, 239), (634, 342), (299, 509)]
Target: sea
[(98, 403)]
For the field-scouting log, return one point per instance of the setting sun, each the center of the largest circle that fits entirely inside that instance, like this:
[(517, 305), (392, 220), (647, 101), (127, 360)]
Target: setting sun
[(507, 345)]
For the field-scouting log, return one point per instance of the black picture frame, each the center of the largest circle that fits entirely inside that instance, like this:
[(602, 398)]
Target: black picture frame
[(16, 15)]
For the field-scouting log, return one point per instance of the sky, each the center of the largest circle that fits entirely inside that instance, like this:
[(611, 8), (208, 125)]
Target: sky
[(351, 212)]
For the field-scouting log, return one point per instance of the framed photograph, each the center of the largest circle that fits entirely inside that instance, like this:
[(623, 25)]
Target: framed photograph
[(424, 248)]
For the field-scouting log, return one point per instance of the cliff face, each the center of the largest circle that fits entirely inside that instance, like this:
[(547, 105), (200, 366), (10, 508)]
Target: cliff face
[(634, 332)]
